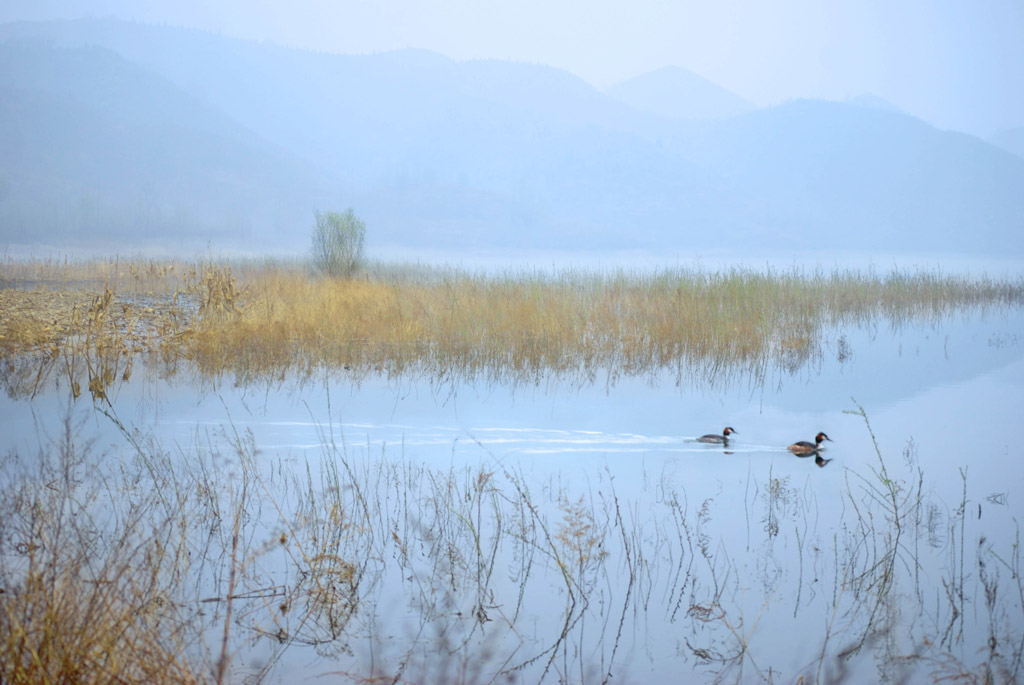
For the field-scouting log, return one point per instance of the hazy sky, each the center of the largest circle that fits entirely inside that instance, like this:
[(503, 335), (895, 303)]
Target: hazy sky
[(956, 63)]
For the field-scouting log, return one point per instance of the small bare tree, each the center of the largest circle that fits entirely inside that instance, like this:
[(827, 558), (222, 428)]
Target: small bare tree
[(338, 240)]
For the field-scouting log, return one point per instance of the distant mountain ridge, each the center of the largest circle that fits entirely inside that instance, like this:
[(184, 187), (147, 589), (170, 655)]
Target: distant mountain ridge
[(1011, 140), (447, 154), (872, 101), (99, 148), (677, 93), (917, 188)]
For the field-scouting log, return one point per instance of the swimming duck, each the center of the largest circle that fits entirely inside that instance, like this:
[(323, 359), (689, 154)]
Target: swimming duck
[(718, 439), (804, 447)]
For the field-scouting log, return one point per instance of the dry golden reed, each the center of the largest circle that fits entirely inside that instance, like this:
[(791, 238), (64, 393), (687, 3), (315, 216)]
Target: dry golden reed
[(87, 577), (256, 320)]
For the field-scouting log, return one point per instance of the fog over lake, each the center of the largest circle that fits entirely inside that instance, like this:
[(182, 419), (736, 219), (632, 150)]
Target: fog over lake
[(129, 135), (375, 342)]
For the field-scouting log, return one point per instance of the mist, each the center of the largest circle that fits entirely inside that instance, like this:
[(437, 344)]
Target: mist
[(475, 342), (875, 131)]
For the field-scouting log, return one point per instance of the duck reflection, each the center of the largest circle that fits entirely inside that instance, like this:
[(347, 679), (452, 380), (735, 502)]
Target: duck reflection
[(821, 461)]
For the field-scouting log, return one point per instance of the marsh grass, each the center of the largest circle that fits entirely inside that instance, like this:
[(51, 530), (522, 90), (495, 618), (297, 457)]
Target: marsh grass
[(222, 564), (89, 584), (92, 320)]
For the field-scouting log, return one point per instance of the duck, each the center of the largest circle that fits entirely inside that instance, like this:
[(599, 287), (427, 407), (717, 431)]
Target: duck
[(804, 447), (718, 439)]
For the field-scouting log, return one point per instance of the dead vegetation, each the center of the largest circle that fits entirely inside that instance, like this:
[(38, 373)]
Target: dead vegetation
[(93, 320), (221, 565), (148, 568)]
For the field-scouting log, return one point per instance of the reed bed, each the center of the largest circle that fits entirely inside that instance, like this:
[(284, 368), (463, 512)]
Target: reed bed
[(221, 565), (268, 319), (91, 573)]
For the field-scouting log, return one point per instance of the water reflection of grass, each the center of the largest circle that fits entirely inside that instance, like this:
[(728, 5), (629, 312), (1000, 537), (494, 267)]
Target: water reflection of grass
[(91, 320), (182, 569), (222, 562)]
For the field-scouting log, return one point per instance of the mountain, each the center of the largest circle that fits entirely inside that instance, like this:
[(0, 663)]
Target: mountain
[(872, 101), (426, 146), (96, 148), (677, 93), (361, 116), (850, 177), (234, 137), (1011, 140)]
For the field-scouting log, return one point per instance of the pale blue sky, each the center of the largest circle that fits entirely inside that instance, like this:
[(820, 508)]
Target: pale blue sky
[(956, 63)]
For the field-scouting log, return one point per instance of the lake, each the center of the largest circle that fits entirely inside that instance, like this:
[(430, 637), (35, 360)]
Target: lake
[(573, 529)]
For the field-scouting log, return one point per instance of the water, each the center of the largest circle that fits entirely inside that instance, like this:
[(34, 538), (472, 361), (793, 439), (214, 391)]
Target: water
[(706, 560), (512, 260)]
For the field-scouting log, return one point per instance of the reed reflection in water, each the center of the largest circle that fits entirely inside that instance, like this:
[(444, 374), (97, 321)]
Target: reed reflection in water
[(552, 525), (505, 565)]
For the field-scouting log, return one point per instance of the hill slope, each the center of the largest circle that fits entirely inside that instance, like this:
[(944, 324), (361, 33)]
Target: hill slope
[(852, 177), (1011, 140), (97, 148), (678, 93), (238, 136)]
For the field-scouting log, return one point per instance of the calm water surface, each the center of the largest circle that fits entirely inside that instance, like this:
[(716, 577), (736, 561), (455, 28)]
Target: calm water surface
[(945, 402), (955, 389)]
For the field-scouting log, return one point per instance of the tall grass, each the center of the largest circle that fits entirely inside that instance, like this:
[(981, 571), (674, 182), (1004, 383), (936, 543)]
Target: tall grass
[(218, 565), (90, 575), (268, 319)]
